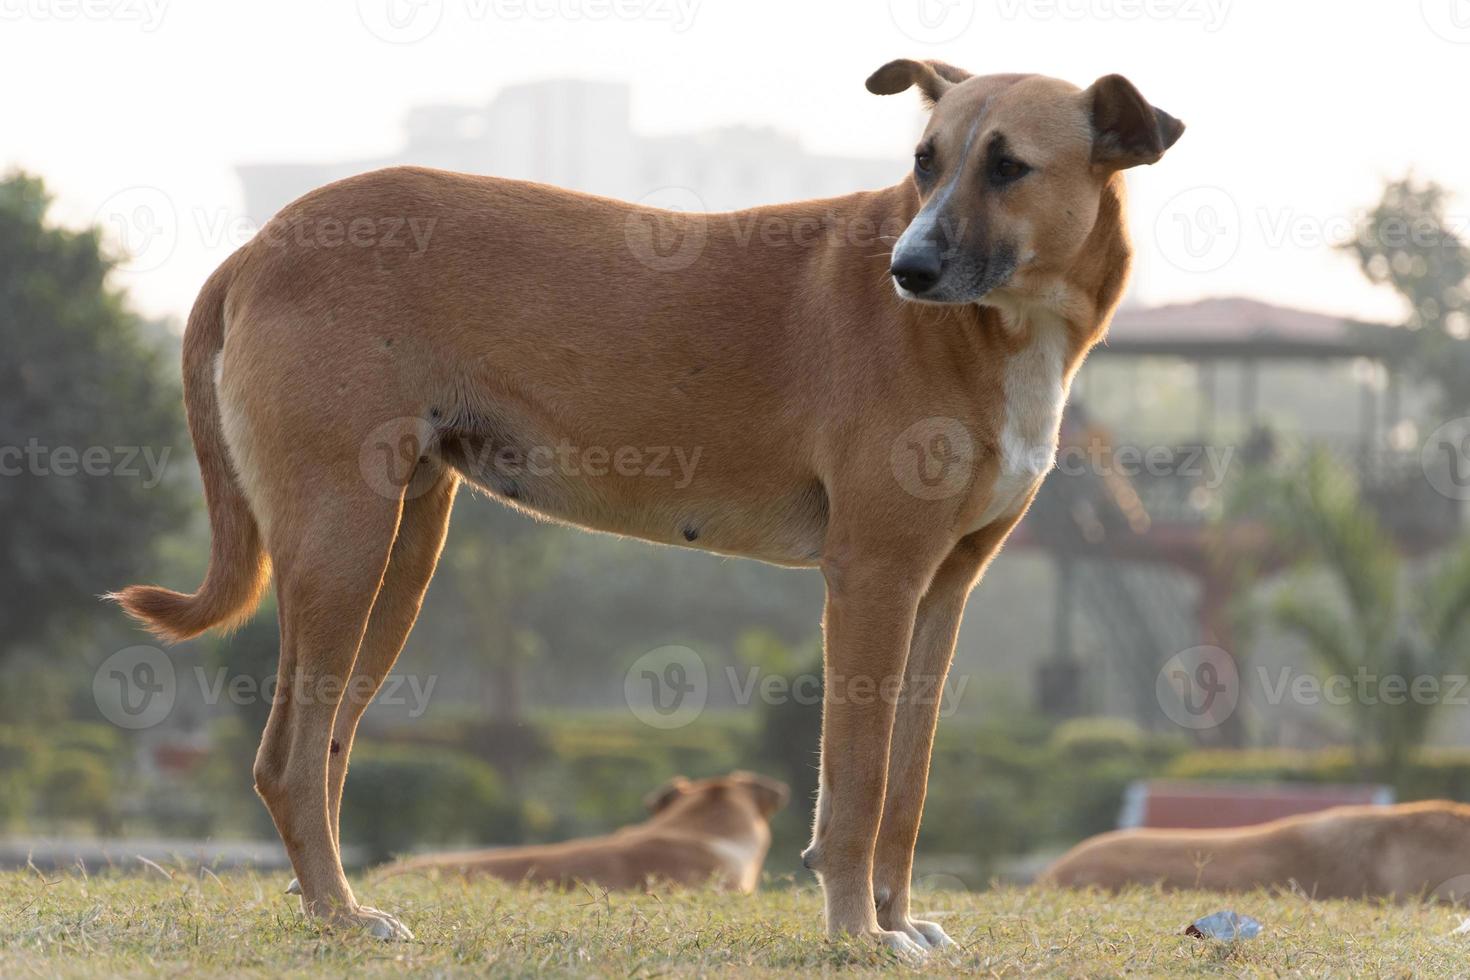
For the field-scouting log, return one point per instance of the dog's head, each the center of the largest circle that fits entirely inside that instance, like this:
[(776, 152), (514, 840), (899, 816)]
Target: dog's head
[(1011, 172), (764, 794)]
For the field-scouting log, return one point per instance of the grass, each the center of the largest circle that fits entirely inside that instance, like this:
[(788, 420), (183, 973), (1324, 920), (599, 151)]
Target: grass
[(137, 924)]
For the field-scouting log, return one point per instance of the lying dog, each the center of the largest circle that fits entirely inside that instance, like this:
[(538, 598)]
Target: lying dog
[(1404, 851), (714, 831)]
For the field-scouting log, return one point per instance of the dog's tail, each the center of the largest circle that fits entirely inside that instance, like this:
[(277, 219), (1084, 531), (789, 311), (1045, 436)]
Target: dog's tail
[(238, 568)]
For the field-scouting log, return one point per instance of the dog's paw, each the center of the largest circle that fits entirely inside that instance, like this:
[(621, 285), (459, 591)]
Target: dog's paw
[(927, 934), (383, 926), (376, 923), (904, 946)]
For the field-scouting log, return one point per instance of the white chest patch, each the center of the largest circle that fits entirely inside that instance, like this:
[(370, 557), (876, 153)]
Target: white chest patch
[(1035, 394)]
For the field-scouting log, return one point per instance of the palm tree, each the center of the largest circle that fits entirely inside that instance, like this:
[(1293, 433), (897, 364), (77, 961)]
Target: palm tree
[(1376, 620)]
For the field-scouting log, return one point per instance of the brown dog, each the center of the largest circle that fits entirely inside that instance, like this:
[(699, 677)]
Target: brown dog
[(713, 831), (1403, 851), (881, 411)]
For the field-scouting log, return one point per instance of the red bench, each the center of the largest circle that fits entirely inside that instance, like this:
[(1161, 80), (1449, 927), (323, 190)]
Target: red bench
[(1184, 804)]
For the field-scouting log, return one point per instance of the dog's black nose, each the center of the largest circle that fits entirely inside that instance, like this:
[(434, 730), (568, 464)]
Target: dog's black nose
[(916, 271)]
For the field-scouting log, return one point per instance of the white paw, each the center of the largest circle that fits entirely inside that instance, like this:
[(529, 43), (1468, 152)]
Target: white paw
[(932, 935), (903, 946), (383, 926), (294, 888)]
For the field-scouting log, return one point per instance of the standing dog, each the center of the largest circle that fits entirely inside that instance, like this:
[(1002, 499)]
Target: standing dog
[(1405, 851), (884, 412), (708, 832)]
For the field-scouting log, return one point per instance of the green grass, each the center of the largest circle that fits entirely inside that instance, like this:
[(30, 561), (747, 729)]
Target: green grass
[(135, 924)]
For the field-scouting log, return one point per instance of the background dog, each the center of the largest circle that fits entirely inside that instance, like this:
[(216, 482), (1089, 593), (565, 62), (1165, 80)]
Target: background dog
[(707, 832), (1404, 851)]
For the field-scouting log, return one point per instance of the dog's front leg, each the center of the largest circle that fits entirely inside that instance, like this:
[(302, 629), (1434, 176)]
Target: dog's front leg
[(871, 602), (936, 627)]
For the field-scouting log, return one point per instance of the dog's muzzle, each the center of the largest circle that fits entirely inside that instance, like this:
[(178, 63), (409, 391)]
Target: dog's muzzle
[(917, 271)]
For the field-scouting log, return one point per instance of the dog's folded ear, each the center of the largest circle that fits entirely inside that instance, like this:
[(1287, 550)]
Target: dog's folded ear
[(933, 78), (769, 794), (666, 794), (1126, 130)]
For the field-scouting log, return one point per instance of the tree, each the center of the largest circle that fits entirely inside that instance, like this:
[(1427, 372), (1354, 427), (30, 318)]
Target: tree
[(1407, 242), (496, 559), (1379, 626), (92, 459)]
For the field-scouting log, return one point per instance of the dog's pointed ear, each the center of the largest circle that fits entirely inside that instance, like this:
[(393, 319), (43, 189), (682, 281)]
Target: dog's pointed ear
[(933, 78), (666, 794), (1126, 130)]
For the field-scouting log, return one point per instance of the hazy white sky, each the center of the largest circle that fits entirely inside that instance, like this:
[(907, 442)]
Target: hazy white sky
[(1297, 111)]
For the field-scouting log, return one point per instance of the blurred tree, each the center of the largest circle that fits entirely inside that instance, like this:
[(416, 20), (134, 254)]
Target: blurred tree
[(497, 559), (251, 652), (90, 425), (1408, 243), (78, 786), (1379, 627), (788, 739), (399, 797)]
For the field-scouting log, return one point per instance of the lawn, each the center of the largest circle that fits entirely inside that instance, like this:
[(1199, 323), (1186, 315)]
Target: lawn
[(141, 923)]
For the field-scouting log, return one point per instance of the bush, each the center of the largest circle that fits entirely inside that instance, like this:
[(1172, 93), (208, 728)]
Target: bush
[(94, 738), (20, 761), (1437, 773), (1093, 739), (77, 785), (398, 798)]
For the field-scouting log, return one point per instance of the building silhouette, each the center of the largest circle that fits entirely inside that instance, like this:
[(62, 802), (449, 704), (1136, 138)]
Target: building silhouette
[(579, 134)]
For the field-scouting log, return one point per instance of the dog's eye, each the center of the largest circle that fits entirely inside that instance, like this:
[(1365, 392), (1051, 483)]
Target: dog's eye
[(1007, 169), (924, 162)]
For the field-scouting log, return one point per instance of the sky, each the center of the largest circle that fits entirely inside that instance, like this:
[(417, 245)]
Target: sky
[(1297, 112)]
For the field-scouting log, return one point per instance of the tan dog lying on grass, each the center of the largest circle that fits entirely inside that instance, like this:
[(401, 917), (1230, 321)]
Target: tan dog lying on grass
[(1405, 851), (713, 831)]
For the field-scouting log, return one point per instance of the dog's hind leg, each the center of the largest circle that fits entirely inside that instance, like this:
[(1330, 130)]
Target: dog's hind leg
[(330, 547), (930, 652), (421, 532)]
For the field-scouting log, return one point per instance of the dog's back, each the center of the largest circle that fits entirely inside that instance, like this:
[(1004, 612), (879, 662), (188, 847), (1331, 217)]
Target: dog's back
[(1345, 852)]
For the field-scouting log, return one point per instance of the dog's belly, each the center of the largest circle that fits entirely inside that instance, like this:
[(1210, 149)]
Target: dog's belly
[(659, 494)]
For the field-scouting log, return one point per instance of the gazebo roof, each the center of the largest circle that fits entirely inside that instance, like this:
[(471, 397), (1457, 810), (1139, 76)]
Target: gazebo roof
[(1235, 327)]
